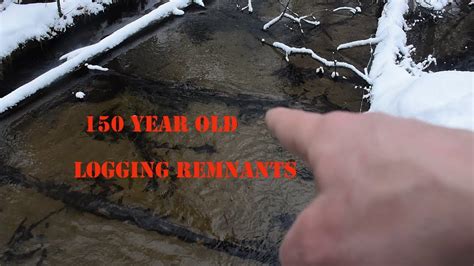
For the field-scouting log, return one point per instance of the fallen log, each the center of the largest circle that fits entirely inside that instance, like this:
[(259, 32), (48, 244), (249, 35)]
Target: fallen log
[(140, 217)]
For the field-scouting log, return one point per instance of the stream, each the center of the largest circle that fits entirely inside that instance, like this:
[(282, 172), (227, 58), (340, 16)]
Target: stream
[(211, 61)]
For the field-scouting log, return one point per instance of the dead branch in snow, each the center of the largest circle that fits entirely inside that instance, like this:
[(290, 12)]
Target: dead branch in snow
[(309, 19), (276, 19), (353, 10), (77, 58), (293, 50), (352, 44)]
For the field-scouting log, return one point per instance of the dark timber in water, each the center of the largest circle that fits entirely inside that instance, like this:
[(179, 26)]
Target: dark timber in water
[(138, 216)]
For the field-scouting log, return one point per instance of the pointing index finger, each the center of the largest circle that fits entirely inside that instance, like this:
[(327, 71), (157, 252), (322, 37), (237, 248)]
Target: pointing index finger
[(295, 129)]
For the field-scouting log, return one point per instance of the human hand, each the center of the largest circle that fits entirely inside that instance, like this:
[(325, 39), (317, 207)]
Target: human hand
[(392, 191)]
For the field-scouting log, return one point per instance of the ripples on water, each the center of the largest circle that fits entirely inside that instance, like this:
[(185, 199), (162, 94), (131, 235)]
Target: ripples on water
[(217, 54)]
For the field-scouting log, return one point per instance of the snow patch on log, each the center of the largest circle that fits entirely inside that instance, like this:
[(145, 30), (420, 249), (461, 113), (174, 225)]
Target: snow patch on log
[(76, 58), (21, 23), (369, 41), (95, 67), (353, 10), (79, 95)]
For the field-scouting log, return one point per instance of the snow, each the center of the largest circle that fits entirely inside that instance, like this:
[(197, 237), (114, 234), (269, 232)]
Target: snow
[(350, 9), (249, 6), (436, 5), (308, 19), (369, 41), (78, 57), (273, 21), (442, 98), (392, 42), (94, 67), (40, 21), (293, 50), (80, 95), (401, 88), (313, 22)]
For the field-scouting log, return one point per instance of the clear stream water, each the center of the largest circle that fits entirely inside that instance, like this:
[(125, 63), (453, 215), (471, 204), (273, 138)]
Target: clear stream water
[(209, 62)]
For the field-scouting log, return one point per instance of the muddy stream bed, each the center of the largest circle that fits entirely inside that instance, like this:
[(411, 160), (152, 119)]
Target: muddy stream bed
[(209, 62)]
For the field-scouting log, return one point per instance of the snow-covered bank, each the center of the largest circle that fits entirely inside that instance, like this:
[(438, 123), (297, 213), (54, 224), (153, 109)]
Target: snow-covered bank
[(21, 23), (442, 98), (76, 58), (401, 88)]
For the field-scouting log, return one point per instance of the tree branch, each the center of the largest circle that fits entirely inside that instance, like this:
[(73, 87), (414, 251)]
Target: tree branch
[(292, 50)]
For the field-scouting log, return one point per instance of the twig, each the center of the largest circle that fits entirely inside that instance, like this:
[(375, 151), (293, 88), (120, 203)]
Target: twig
[(276, 19), (248, 6), (303, 18), (295, 17)]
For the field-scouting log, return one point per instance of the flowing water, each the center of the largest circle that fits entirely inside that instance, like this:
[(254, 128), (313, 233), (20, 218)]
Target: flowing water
[(209, 62)]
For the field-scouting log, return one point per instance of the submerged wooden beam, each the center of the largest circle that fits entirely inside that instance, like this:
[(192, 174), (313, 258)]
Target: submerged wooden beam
[(140, 217)]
